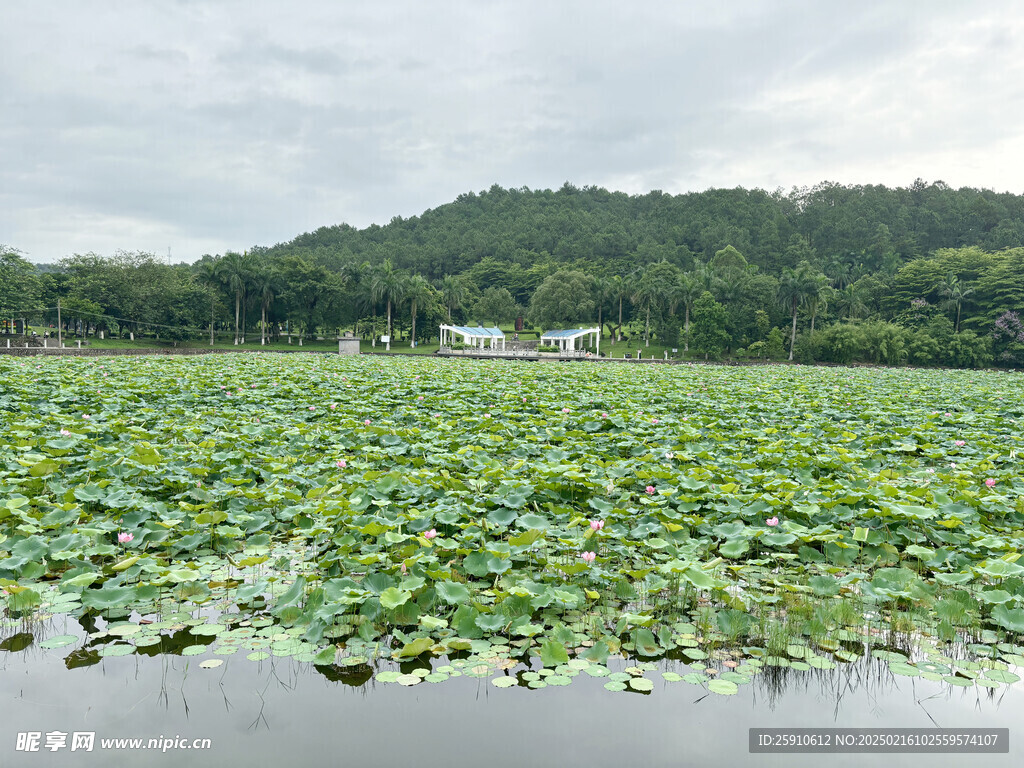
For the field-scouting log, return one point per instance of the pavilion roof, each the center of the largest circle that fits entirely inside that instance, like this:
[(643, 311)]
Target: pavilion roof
[(475, 333), (569, 333)]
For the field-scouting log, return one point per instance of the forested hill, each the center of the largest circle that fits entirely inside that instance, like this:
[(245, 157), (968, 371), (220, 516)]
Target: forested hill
[(926, 275), (869, 228)]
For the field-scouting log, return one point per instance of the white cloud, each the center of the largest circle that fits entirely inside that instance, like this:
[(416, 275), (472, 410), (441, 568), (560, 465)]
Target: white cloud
[(216, 125)]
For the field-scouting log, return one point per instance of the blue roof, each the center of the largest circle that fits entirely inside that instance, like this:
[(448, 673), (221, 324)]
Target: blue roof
[(567, 334), (478, 331)]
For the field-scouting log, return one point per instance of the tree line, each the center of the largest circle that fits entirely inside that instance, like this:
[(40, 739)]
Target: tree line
[(926, 274)]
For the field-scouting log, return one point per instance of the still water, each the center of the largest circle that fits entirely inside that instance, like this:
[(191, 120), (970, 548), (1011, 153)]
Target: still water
[(280, 712)]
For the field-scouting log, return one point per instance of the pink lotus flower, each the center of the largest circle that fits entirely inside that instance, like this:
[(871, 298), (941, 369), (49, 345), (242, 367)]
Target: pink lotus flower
[(990, 482), (948, 414), (565, 410), (86, 416), (654, 421), (524, 399), (604, 415), (312, 407), (952, 465), (772, 521), (959, 443), (367, 422), (404, 569), (341, 463), (333, 406), (65, 433), (650, 489), (670, 455), (432, 533), (596, 525), (124, 538), (487, 415), (588, 556), (420, 397)]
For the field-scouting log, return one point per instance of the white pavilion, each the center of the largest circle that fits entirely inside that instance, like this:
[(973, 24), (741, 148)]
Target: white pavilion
[(473, 337), (565, 340)]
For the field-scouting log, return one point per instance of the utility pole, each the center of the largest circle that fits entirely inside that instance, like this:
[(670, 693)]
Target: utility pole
[(60, 336)]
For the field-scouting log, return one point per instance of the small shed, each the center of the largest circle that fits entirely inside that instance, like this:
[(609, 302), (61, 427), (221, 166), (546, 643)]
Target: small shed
[(473, 337), (566, 339), (348, 344)]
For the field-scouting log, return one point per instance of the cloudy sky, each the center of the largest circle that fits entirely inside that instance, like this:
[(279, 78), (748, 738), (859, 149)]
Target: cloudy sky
[(208, 125)]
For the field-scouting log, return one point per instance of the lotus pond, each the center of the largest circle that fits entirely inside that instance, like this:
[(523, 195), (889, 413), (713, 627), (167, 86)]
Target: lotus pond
[(395, 523)]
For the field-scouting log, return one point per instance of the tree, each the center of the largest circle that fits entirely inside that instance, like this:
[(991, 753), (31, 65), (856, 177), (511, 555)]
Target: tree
[(453, 294), (849, 302), (310, 292), (709, 334), (955, 293), (816, 292), (235, 271), (791, 295), (19, 285), (266, 284), (496, 305), (652, 289), (564, 298), (688, 289), (798, 287), (419, 292), (619, 289), (388, 285), (602, 288), (207, 274)]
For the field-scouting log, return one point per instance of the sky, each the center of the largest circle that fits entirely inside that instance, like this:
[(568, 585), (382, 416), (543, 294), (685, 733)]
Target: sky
[(202, 126)]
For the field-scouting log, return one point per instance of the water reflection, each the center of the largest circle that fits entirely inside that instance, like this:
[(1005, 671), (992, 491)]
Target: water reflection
[(268, 712)]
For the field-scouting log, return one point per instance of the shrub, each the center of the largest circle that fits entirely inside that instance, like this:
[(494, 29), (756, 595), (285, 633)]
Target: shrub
[(548, 348)]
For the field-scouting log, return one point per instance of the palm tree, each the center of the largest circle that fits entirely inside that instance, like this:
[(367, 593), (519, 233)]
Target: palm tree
[(418, 292), (234, 269), (791, 295), (849, 302), (208, 274), (646, 292), (266, 286), (388, 285), (619, 289), (453, 293), (687, 291), (817, 294), (955, 293)]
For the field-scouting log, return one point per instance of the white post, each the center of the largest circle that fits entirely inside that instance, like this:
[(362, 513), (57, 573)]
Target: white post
[(131, 335), (598, 344), (45, 343), (79, 343)]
